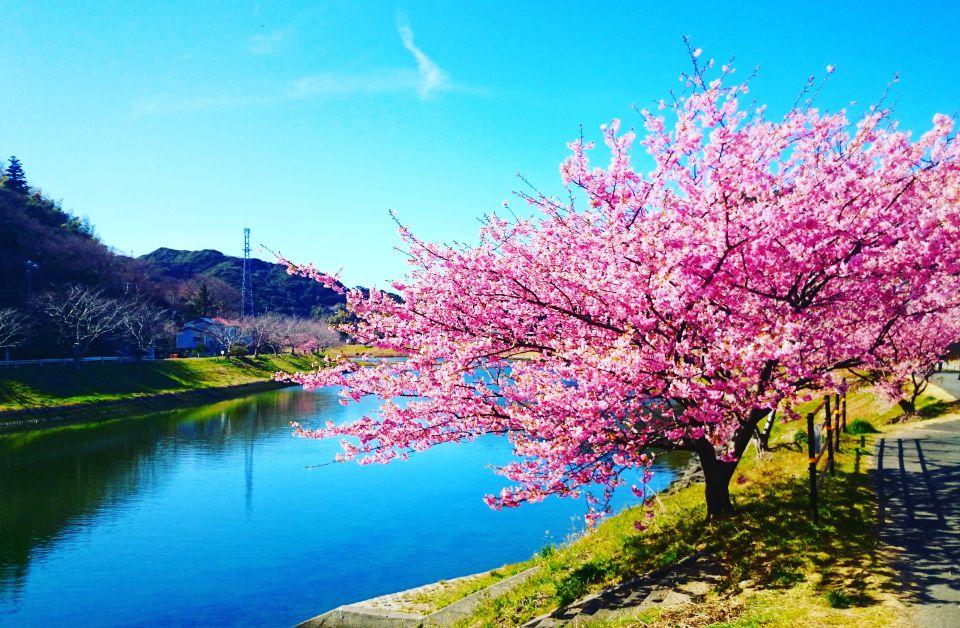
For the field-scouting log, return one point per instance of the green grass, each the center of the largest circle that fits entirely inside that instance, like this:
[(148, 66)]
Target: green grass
[(352, 351), (860, 426), (782, 569), (41, 386)]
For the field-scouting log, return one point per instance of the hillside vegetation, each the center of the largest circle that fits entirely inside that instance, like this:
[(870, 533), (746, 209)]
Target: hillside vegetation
[(44, 247), (65, 293), (273, 289), (52, 248)]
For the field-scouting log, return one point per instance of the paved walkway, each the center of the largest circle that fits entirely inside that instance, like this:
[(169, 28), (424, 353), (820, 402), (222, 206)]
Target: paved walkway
[(918, 485)]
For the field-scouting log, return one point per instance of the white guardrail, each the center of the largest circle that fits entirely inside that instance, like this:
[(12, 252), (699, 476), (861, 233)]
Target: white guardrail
[(66, 361)]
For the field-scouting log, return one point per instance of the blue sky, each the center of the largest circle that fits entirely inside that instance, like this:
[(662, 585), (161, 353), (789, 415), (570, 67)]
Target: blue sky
[(179, 123)]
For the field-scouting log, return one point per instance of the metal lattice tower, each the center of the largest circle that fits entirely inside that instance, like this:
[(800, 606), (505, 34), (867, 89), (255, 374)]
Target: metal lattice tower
[(246, 288)]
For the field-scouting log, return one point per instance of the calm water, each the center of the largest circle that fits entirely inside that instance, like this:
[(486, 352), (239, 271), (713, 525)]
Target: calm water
[(209, 515)]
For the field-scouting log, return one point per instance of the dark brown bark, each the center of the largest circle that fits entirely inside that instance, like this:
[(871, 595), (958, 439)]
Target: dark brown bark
[(907, 405), (717, 473)]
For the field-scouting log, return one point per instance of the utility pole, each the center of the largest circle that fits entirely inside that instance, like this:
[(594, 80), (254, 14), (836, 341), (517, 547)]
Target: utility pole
[(246, 288), (30, 266)]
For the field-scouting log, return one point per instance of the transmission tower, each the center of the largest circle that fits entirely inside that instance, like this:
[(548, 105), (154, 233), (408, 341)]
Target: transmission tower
[(246, 288)]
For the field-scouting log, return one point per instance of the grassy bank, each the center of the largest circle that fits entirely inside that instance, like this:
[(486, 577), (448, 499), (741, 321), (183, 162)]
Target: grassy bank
[(361, 351), (32, 387), (782, 569)]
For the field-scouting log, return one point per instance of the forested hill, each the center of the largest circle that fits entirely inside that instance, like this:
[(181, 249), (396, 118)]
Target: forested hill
[(43, 247), (46, 249), (273, 289)]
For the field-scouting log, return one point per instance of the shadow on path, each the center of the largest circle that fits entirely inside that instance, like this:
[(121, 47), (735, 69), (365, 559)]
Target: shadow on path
[(917, 476)]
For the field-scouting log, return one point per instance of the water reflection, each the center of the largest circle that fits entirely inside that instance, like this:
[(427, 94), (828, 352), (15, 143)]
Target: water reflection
[(111, 518)]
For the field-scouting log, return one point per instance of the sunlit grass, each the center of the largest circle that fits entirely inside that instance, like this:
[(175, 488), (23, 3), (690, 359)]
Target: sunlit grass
[(351, 351), (782, 570), (36, 386)]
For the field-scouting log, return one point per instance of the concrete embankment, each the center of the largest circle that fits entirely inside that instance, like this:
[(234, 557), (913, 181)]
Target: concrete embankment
[(400, 610)]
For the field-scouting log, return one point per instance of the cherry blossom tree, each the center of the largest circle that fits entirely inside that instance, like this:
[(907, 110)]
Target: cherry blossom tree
[(749, 262), (910, 357)]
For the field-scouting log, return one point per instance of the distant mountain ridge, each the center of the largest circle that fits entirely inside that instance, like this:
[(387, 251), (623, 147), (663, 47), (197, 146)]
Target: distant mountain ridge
[(273, 289)]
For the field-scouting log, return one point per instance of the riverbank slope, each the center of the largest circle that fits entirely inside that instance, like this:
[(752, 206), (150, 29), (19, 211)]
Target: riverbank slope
[(59, 386), (40, 387), (779, 568), (41, 394)]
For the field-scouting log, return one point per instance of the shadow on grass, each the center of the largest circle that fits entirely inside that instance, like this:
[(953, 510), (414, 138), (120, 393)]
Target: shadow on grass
[(938, 408), (772, 542), (35, 386)]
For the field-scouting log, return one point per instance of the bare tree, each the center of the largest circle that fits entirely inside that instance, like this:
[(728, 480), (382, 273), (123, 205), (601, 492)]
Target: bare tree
[(14, 327), (225, 332), (274, 332), (263, 332), (143, 324), (81, 316), (319, 334), (289, 333)]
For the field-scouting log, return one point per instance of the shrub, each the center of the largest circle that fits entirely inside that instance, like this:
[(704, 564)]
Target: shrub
[(570, 589), (839, 599), (862, 427)]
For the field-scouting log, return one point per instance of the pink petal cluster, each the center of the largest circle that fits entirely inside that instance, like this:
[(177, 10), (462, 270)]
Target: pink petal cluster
[(671, 308)]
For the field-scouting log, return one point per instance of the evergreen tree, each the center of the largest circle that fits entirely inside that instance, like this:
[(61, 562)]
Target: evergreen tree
[(200, 302), (16, 179)]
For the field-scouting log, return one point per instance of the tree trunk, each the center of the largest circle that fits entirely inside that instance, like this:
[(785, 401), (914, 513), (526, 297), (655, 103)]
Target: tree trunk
[(763, 436), (717, 475), (907, 405)]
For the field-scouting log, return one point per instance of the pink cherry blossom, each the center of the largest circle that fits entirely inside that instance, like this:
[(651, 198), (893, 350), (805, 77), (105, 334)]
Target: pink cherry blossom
[(670, 305)]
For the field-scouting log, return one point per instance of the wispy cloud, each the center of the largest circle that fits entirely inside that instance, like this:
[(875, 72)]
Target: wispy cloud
[(327, 85), (432, 78), (425, 81), (266, 43), (339, 84), (169, 104)]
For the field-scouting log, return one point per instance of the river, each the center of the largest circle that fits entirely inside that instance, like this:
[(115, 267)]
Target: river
[(212, 515)]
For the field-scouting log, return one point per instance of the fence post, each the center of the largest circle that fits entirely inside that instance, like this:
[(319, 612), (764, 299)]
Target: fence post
[(812, 453), (836, 422), (843, 416), (829, 425)]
